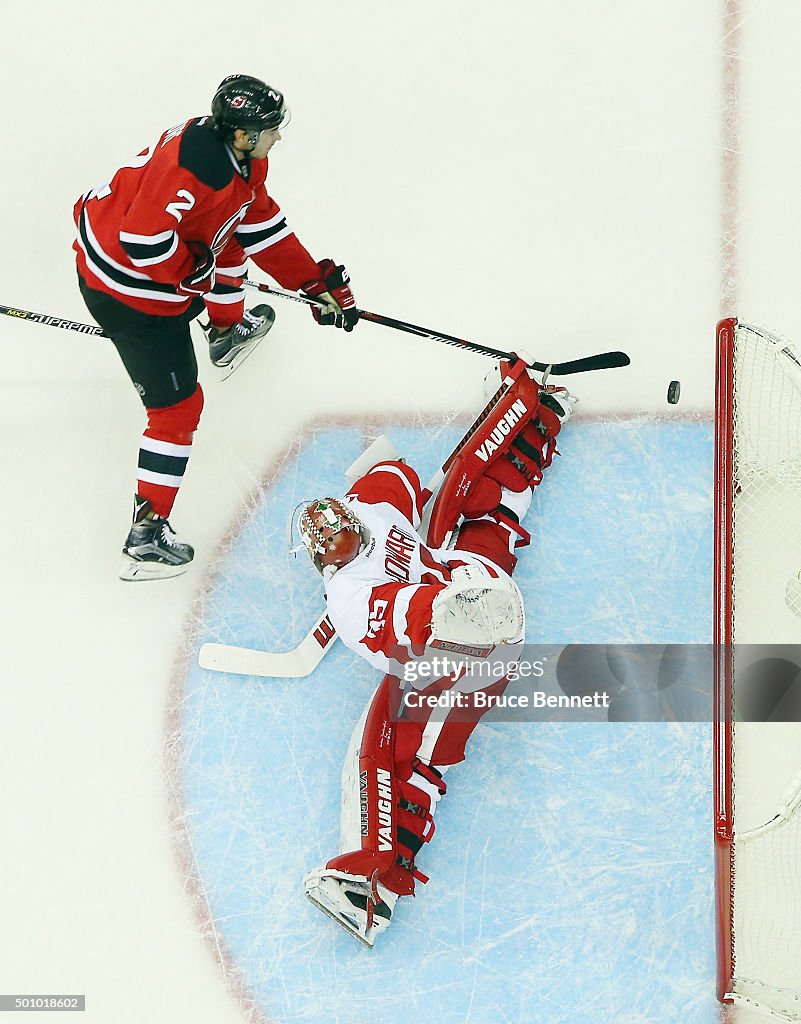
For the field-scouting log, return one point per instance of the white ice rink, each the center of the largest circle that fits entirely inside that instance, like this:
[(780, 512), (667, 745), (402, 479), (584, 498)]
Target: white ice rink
[(561, 176)]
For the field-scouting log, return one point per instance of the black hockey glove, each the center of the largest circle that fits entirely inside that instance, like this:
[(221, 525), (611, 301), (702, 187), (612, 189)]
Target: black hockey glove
[(201, 278), (333, 288)]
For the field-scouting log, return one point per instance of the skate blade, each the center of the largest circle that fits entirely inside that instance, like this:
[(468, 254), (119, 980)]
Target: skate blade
[(339, 921), (132, 571)]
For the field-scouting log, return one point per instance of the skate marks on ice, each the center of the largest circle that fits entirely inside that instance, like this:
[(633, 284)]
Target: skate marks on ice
[(571, 861)]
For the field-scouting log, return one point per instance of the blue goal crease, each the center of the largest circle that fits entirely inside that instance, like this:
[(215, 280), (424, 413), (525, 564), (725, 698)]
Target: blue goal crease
[(571, 861)]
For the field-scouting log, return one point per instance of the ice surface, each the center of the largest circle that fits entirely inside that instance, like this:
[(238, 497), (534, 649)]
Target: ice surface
[(502, 171)]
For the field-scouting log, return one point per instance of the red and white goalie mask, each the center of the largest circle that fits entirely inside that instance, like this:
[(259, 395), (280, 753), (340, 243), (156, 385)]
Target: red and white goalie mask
[(331, 533)]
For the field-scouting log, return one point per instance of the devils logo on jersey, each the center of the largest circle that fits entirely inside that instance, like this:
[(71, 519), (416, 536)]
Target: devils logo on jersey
[(226, 232)]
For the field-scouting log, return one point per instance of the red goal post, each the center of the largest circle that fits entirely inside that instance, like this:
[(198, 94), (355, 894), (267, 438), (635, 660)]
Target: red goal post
[(757, 601), (723, 747)]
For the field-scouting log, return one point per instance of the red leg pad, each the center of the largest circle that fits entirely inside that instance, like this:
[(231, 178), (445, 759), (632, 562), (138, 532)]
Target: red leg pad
[(395, 812), (510, 445), (378, 794), (483, 497)]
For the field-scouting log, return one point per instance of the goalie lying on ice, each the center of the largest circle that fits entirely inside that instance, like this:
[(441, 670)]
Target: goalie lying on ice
[(389, 591)]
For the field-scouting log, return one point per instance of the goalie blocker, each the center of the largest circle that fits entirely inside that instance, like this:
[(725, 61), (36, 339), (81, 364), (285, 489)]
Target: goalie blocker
[(393, 779)]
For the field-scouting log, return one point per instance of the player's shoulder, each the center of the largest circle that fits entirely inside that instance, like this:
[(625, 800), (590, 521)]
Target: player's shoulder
[(348, 592), (392, 482), (203, 154), (377, 514)]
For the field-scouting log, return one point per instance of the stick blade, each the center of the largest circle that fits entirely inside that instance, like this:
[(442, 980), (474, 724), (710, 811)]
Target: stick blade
[(295, 664), (601, 361), (242, 661)]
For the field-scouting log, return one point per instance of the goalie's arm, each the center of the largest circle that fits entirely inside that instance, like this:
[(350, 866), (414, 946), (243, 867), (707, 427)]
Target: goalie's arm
[(475, 608), (391, 620), (395, 483)]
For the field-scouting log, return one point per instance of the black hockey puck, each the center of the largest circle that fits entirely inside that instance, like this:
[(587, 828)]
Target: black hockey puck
[(673, 392)]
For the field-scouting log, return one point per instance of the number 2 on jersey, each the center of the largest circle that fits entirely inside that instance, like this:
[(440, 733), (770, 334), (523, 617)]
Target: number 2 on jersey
[(176, 208)]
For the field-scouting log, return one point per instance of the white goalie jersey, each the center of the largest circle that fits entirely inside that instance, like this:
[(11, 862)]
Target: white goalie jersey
[(382, 600)]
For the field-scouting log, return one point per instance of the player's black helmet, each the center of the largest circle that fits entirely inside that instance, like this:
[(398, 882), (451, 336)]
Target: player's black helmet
[(248, 103)]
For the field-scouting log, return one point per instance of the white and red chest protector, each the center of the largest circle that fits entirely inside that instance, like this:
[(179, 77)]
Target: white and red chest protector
[(382, 599)]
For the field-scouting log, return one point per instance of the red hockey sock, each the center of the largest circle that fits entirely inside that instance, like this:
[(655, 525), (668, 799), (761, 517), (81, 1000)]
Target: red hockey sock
[(225, 305), (164, 451)]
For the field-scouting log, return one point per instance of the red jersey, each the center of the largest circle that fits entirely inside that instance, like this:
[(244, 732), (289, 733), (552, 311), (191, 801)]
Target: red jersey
[(189, 186)]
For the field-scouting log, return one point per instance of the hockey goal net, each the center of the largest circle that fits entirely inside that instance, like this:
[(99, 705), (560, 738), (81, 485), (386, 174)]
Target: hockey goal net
[(758, 602)]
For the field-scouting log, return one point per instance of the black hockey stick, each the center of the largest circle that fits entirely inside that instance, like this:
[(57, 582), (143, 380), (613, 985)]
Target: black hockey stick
[(601, 361), (53, 321)]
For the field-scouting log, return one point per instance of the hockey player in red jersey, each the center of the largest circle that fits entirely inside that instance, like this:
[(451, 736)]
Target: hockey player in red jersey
[(390, 593), (168, 236)]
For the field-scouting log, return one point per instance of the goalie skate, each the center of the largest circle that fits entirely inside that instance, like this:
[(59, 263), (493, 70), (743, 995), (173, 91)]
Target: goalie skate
[(362, 909)]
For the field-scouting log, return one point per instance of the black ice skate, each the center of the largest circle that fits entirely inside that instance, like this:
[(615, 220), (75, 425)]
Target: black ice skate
[(151, 550), (229, 346)]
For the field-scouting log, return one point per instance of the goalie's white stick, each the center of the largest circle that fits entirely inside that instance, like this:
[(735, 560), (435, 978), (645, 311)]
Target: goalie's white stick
[(295, 664)]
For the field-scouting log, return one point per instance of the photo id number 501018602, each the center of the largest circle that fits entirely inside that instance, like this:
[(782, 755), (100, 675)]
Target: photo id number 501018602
[(42, 1002)]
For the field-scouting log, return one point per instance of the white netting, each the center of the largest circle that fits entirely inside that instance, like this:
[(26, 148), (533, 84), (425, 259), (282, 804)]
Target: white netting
[(767, 911), (766, 521), (767, 406), (767, 485)]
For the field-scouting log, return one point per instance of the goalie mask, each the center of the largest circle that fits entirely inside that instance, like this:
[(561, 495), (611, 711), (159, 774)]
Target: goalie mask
[(331, 533)]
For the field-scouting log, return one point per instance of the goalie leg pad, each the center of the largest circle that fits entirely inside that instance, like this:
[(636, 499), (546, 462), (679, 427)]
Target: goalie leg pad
[(520, 468), (387, 803), (499, 533), (510, 445), (446, 745)]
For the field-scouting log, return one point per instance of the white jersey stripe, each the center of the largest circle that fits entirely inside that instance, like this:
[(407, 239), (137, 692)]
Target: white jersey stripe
[(142, 293), (162, 479), (154, 444), (262, 225), (156, 259), (277, 237), (112, 263), (162, 236)]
